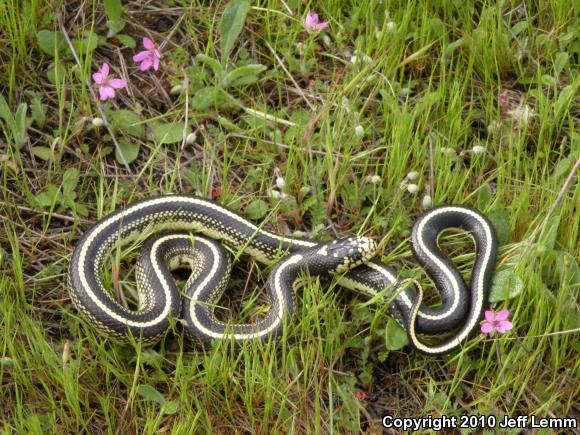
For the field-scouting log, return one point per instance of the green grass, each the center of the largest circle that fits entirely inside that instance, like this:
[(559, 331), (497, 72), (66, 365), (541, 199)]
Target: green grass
[(426, 95)]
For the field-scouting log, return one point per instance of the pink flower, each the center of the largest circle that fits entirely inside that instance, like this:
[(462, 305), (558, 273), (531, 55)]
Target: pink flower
[(149, 57), (496, 322), (311, 23), (106, 84), (503, 98)]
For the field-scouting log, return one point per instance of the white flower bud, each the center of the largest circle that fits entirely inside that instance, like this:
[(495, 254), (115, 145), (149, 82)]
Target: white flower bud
[(274, 194), (190, 138), (448, 151), (412, 188), (98, 122), (391, 27), (375, 179), (478, 149), (280, 183), (176, 90), (427, 201), (359, 131), (413, 175)]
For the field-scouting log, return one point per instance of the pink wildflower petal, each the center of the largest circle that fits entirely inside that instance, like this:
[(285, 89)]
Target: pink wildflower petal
[(322, 25), (489, 316), (502, 315), (146, 64), (155, 63), (486, 328), (148, 43), (105, 69), (117, 83), (504, 326), (106, 92), (98, 78), (140, 56)]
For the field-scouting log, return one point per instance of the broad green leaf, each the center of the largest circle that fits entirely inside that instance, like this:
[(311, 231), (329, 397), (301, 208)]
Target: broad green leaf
[(450, 48), (215, 66), (70, 180), (519, 28), (113, 9), (256, 209), (505, 285), (244, 81), (502, 227), (550, 231), (43, 153), (484, 197), (49, 197), (38, 111), (170, 407), (114, 26), (205, 98), (55, 72), (170, 133), (51, 42), (150, 393), (562, 168), (560, 62), (6, 114), (19, 133), (395, 335), (231, 25), (126, 40), (87, 44), (127, 151), (437, 26), (127, 121), (548, 80), (243, 71)]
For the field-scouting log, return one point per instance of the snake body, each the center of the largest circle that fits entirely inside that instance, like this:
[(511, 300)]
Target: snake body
[(347, 260)]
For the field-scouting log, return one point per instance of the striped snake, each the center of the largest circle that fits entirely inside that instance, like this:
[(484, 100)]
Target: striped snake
[(348, 260)]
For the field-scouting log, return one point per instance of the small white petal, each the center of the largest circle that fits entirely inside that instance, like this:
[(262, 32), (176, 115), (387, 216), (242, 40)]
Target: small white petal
[(427, 201)]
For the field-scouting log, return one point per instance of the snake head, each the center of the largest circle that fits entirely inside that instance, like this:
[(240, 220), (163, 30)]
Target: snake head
[(345, 254)]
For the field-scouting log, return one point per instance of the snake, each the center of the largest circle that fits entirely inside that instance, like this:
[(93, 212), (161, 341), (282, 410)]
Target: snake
[(195, 232)]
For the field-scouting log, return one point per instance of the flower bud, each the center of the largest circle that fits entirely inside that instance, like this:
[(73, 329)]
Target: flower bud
[(98, 122), (176, 90), (427, 201), (478, 149), (412, 188), (359, 131), (190, 138), (280, 183), (413, 175)]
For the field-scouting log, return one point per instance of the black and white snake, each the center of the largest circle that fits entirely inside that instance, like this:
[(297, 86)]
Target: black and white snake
[(349, 260)]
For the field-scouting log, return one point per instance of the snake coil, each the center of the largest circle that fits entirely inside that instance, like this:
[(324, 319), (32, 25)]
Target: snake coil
[(349, 260)]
